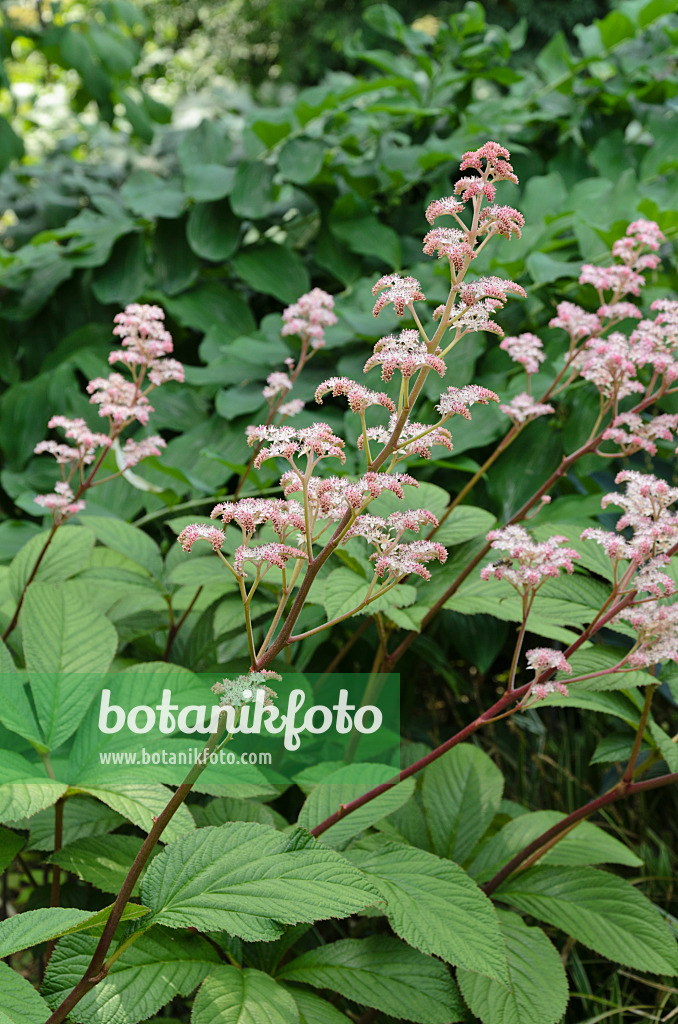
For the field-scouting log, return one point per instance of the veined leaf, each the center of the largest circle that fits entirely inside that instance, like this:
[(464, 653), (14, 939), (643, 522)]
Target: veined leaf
[(603, 911), (537, 990), (314, 1010), (35, 926), (345, 784), (434, 906), (232, 996), (24, 787), (140, 803), (103, 861), (248, 879), (464, 523), (586, 844), (157, 967), (384, 973), (66, 644), (128, 540), (10, 844), (66, 555), (19, 1001), (462, 791)]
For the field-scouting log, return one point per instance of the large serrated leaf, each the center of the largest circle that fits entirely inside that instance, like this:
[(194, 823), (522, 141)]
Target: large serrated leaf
[(24, 787), (348, 783), (19, 1002), (233, 996), (586, 844), (314, 1010), (597, 908), (103, 861), (141, 804), (127, 539), (384, 973), (462, 791), (434, 906), (35, 926), (158, 966), (66, 555), (243, 878), (464, 523), (537, 990), (68, 644)]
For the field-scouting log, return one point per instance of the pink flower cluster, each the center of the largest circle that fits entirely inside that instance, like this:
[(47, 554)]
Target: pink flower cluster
[(415, 438), (526, 349), (401, 291), (392, 558), (333, 496), (646, 504), (524, 408), (407, 353), (146, 345), (288, 443), (545, 659), (309, 317), (250, 513), (633, 433), (458, 401), (657, 628), (529, 563), (359, 397)]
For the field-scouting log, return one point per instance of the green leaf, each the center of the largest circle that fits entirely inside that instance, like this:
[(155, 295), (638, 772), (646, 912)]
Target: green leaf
[(66, 555), (233, 996), (140, 804), (208, 181), (384, 973), (427, 495), (16, 712), (314, 1010), (103, 860), (301, 160), (24, 787), (19, 1002), (213, 231), (273, 270), (345, 590), (157, 967), (35, 926), (537, 990), (123, 278), (246, 879), (67, 645), (602, 911), (462, 791), (82, 817), (353, 224), (464, 523), (211, 307), (252, 193), (226, 808), (150, 196), (586, 844), (126, 539), (346, 784), (10, 844), (434, 906)]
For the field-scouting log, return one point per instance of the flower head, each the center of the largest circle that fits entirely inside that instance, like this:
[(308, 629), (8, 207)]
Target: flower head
[(406, 353), (401, 291), (526, 349), (524, 408), (61, 503), (529, 563), (199, 531), (359, 397), (244, 689), (265, 555), (309, 317), (458, 401)]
